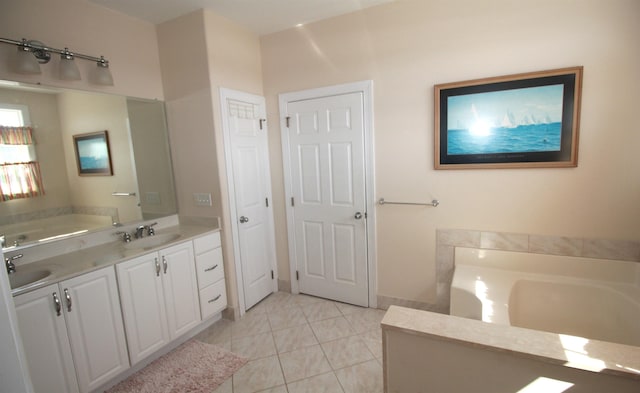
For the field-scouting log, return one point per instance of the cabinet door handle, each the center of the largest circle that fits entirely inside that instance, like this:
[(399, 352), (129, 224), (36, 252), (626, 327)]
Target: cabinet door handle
[(157, 268), (214, 299), (210, 268), (164, 264), (68, 297), (56, 304)]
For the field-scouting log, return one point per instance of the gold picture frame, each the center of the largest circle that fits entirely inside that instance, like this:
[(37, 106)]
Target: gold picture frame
[(93, 155), (528, 120)]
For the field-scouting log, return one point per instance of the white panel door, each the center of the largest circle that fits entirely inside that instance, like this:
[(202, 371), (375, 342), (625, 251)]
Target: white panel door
[(326, 141), (94, 324), (248, 147), (45, 341), (143, 307)]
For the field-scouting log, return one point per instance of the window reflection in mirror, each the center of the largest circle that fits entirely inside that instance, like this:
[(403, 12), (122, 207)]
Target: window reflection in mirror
[(74, 204), (20, 175)]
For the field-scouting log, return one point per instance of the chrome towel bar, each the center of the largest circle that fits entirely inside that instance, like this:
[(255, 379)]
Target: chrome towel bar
[(433, 203), (123, 194)]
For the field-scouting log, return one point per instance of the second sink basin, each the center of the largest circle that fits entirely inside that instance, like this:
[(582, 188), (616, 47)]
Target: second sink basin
[(152, 241), (20, 279)]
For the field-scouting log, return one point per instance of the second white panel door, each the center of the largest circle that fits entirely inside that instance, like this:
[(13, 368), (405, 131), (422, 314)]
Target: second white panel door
[(326, 140)]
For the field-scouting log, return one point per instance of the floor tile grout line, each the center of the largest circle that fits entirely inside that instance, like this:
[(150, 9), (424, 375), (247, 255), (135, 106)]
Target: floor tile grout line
[(282, 371), (321, 349), (313, 376), (268, 311), (323, 354), (284, 380), (278, 353)]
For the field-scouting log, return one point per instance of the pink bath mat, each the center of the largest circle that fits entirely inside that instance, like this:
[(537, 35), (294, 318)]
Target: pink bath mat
[(193, 367)]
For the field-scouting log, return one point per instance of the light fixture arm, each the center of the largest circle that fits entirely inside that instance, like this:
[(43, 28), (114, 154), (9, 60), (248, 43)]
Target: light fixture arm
[(25, 64), (43, 52)]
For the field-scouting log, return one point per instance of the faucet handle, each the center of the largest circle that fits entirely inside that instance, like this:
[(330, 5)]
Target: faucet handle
[(13, 258), (126, 236), (150, 230), (11, 267)]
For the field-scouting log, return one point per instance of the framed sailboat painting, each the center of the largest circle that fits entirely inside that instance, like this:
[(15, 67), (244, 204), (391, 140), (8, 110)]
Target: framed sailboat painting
[(517, 121), (92, 154)]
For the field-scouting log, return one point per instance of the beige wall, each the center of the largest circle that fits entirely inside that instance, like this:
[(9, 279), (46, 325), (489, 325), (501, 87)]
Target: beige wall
[(407, 47), (220, 54), (129, 44)]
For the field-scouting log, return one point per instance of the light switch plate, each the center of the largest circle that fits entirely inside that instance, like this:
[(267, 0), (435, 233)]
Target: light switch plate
[(202, 199)]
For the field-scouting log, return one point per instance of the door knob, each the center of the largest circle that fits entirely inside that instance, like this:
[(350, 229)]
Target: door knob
[(243, 219), (358, 215)]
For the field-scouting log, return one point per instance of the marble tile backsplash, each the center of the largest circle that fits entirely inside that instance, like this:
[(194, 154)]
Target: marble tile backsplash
[(448, 239)]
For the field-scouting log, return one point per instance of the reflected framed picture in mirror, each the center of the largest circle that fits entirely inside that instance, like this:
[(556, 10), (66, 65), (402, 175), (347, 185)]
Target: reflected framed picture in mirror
[(92, 154)]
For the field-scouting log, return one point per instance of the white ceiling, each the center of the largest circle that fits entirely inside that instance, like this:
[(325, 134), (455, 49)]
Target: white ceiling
[(260, 16)]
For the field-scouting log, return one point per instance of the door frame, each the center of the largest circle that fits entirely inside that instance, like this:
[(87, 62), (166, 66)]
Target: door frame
[(225, 94), (366, 88)]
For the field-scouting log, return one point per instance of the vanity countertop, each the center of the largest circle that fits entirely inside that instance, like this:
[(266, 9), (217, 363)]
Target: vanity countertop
[(82, 261)]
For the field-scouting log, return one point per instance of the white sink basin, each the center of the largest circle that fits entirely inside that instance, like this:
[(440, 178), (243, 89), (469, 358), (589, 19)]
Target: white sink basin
[(151, 241), (20, 279)]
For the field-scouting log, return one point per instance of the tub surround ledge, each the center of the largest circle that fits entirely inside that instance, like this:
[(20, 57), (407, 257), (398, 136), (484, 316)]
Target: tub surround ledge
[(599, 357)]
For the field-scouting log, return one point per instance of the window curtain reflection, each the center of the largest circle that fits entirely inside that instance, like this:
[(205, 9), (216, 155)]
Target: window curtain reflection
[(16, 135), (20, 175)]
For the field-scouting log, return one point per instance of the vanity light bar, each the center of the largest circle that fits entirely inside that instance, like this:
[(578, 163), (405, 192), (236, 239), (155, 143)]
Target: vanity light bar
[(42, 53)]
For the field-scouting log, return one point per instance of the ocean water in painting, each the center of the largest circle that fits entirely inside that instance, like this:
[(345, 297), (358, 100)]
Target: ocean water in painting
[(524, 138), (93, 153), (506, 121), (94, 162)]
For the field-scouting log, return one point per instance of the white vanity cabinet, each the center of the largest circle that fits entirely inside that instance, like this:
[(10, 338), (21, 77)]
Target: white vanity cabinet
[(159, 296), (76, 321), (45, 341), (210, 269)]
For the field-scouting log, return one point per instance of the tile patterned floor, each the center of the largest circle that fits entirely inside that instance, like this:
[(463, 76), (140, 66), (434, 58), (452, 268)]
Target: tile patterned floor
[(303, 344)]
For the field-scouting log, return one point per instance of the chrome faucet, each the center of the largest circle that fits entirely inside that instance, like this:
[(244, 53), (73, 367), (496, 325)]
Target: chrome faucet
[(139, 233), (11, 267)]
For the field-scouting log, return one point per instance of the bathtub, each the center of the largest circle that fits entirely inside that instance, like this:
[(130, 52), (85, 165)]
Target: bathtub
[(52, 227), (591, 298)]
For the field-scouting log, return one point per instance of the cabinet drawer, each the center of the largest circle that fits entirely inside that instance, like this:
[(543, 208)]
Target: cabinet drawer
[(207, 242), (209, 267), (213, 299)]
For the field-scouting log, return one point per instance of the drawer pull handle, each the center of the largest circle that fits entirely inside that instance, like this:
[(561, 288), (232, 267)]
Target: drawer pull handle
[(214, 299), (56, 303), (68, 297), (210, 268)]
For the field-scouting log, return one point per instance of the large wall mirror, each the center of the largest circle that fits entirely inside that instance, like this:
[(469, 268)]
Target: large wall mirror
[(63, 200)]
